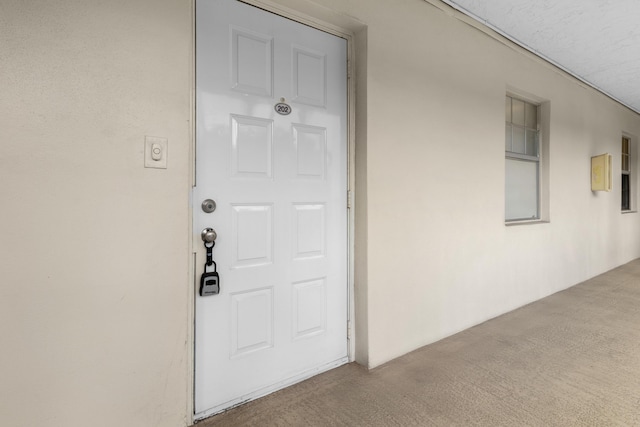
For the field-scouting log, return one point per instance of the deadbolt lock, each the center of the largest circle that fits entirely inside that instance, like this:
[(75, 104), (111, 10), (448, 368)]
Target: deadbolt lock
[(208, 206)]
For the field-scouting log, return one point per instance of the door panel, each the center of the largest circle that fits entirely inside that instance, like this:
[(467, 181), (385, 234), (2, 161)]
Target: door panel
[(280, 185)]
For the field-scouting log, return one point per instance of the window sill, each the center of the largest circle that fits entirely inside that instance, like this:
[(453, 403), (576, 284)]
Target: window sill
[(526, 222), (628, 212)]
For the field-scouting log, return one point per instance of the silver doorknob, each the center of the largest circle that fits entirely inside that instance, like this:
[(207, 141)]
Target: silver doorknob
[(209, 235)]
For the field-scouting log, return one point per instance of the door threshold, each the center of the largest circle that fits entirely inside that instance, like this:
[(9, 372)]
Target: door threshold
[(270, 389)]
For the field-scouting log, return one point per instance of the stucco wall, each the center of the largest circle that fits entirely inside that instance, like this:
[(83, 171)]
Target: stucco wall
[(93, 253), (95, 289)]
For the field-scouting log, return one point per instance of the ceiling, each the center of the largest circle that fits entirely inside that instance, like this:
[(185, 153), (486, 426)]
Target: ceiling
[(598, 41)]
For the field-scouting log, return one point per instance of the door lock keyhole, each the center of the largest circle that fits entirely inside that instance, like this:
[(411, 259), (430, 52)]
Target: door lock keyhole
[(208, 206)]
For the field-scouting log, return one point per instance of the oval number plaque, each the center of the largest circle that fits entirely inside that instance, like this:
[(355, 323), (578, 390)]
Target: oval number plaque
[(282, 108)]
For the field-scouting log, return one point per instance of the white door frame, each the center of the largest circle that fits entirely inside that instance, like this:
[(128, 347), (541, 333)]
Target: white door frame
[(294, 15)]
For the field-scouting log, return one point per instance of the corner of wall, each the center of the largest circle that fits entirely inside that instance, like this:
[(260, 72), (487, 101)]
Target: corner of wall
[(361, 215)]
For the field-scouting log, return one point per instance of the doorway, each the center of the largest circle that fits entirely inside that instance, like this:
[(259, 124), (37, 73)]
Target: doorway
[(272, 156)]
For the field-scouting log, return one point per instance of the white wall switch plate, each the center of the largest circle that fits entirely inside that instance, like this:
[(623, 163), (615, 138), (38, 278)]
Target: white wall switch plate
[(156, 151)]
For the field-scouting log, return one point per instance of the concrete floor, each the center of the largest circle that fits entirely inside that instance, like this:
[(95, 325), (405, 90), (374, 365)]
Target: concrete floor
[(572, 359)]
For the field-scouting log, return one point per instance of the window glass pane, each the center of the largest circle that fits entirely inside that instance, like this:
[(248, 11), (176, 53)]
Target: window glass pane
[(625, 162), (531, 112), (626, 205), (625, 145), (532, 143), (517, 142), (518, 112), (507, 137), (507, 109), (521, 189)]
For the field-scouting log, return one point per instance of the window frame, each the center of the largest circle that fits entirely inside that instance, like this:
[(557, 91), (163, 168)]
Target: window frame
[(625, 157), (520, 156)]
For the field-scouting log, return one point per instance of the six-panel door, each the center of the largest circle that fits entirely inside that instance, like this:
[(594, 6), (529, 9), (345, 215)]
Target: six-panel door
[(279, 179)]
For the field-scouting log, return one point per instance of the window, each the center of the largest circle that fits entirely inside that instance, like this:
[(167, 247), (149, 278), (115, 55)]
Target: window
[(626, 175), (522, 160)]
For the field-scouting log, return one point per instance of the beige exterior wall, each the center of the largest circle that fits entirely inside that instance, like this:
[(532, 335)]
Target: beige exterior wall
[(94, 263), (95, 292)]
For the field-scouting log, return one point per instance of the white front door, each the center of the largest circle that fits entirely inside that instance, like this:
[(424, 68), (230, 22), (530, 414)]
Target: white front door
[(280, 185)]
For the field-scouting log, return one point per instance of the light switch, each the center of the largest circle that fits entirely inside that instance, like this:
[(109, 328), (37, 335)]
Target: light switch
[(155, 152)]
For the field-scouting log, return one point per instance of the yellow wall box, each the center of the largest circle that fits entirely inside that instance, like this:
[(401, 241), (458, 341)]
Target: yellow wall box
[(601, 172)]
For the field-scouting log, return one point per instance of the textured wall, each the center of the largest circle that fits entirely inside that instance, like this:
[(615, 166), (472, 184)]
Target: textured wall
[(94, 257)]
